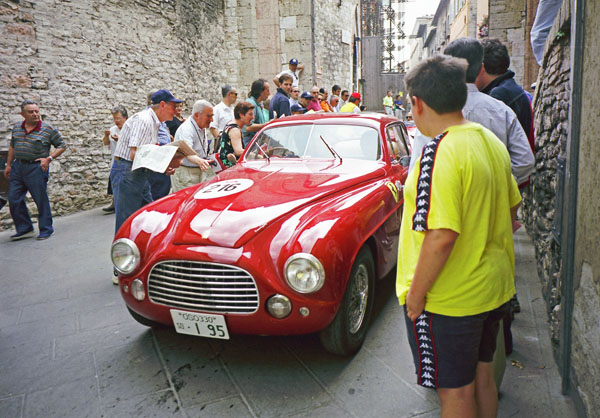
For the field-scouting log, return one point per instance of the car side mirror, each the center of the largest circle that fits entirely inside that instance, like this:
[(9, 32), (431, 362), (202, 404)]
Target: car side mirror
[(404, 161)]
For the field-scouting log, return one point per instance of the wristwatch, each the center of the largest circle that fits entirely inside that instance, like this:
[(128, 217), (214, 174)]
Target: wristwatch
[(50, 158)]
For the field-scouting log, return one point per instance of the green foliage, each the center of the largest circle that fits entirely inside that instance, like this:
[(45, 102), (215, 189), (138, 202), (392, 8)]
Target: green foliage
[(560, 35)]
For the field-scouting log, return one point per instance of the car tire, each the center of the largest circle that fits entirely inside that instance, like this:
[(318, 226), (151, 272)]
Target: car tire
[(145, 321), (346, 333)]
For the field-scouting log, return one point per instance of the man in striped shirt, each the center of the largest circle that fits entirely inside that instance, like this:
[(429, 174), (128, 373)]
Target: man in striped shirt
[(27, 169), (131, 189)]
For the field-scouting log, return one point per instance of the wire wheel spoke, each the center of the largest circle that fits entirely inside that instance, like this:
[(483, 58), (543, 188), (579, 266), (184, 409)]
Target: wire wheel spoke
[(359, 299)]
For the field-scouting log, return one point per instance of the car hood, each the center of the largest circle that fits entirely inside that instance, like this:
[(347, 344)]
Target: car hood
[(243, 200)]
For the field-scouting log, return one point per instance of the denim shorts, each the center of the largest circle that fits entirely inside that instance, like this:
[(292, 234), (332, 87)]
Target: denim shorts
[(446, 349)]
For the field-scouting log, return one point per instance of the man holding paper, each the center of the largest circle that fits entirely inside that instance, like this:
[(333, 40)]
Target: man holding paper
[(131, 188)]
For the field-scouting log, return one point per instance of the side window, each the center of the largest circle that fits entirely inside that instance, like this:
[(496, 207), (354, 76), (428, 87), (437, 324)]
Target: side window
[(396, 141), (408, 140)]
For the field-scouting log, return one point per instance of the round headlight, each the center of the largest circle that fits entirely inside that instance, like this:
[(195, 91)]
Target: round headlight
[(304, 273), (279, 306), (125, 255)]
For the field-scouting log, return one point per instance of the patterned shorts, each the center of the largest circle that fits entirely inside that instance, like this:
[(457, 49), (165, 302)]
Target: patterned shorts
[(446, 349)]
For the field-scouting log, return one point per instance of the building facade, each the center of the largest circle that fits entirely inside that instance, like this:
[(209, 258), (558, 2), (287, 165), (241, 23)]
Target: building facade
[(417, 40)]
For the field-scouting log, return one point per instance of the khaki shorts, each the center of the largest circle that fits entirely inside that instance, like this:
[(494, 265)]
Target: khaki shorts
[(189, 176)]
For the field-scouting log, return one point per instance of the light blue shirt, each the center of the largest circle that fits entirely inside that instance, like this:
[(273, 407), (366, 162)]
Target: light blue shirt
[(544, 19), (164, 137), (502, 121)]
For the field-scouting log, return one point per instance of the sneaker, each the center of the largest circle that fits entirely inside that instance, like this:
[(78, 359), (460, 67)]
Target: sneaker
[(44, 236), (115, 278), (109, 209), (22, 235)]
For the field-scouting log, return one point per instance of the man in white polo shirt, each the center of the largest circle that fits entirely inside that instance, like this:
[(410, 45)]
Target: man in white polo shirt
[(223, 112), (193, 132)]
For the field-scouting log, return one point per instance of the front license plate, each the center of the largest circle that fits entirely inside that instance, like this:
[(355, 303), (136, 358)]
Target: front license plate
[(204, 325)]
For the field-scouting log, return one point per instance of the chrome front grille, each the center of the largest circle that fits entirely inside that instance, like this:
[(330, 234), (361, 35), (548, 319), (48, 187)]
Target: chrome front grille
[(201, 286)]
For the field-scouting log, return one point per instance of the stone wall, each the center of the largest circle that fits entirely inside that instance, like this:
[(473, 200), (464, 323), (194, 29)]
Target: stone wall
[(272, 32), (507, 23), (99, 53), (334, 39), (296, 38), (551, 107), (541, 208)]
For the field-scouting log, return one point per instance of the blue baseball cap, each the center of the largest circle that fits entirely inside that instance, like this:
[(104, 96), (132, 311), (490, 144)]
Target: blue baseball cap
[(306, 95), (293, 61), (164, 96)]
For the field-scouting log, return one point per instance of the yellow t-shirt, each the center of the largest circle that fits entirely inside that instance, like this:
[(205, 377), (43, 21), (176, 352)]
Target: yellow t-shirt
[(348, 108), (462, 182), (388, 101)]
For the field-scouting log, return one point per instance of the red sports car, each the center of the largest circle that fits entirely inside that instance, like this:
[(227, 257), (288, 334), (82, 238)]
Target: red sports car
[(291, 240)]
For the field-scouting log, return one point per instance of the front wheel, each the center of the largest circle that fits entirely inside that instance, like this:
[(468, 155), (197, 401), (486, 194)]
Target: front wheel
[(347, 331)]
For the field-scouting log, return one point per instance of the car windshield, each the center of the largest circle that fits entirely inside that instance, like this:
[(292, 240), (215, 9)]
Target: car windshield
[(310, 141)]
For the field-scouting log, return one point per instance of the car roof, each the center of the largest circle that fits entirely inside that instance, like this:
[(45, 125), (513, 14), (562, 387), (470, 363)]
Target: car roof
[(364, 118)]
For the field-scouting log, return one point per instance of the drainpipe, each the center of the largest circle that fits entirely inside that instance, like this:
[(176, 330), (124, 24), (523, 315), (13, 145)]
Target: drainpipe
[(313, 42), (570, 193)]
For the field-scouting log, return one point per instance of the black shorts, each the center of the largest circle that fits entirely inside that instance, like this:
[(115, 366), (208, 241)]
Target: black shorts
[(446, 349)]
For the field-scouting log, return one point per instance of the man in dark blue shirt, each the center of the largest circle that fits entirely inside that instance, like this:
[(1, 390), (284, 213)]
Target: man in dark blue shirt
[(498, 81), (280, 103)]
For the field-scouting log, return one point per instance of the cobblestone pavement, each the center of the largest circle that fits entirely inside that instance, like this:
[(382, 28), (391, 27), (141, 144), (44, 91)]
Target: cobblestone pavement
[(68, 348)]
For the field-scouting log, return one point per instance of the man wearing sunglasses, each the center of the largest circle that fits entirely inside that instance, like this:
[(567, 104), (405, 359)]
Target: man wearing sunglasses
[(294, 95)]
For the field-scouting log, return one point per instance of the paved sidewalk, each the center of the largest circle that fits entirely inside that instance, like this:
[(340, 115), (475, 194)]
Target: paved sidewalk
[(68, 348)]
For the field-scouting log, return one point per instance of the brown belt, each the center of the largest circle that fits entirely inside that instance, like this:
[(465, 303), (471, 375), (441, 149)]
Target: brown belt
[(121, 159)]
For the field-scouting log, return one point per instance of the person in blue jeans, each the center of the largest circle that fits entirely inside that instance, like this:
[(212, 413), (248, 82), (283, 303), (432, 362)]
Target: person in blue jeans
[(28, 170), (131, 189)]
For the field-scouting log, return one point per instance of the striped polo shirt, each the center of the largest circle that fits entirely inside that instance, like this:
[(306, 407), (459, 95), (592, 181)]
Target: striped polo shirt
[(138, 130), (36, 143)]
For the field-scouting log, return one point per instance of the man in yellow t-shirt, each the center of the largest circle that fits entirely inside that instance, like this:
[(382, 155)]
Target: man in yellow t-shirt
[(352, 105), (388, 104), (456, 261)]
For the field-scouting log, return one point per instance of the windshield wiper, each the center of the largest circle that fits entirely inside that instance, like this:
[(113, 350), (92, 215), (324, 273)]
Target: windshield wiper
[(335, 154)]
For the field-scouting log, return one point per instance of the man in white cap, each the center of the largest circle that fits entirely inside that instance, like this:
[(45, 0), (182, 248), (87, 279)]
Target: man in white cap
[(294, 70)]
